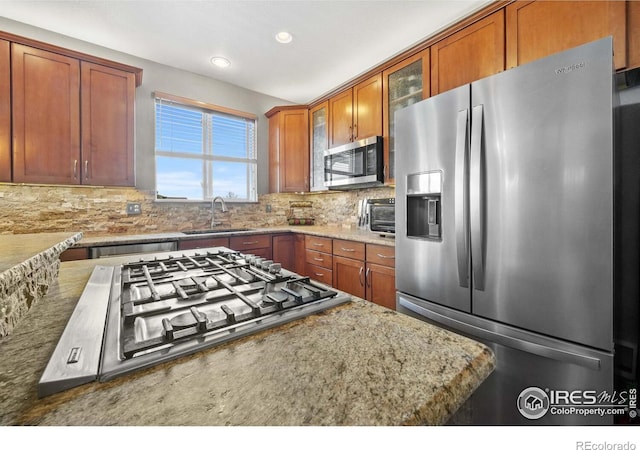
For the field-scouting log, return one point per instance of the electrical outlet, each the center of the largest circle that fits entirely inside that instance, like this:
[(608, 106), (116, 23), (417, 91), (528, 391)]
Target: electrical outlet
[(133, 209), (268, 208)]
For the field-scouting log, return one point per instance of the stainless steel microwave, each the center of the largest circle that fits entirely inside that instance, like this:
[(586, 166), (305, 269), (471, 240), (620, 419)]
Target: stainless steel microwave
[(357, 164)]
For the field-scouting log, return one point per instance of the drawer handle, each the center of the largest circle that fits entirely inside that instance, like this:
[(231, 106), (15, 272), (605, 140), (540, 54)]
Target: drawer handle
[(380, 255), (318, 259), (318, 274), (347, 249), (250, 242), (317, 244)]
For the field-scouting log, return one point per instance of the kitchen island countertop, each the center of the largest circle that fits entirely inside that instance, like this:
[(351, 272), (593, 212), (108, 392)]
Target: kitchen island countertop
[(355, 364)]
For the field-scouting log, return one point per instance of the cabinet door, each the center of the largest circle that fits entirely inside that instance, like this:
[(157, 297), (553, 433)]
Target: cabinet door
[(349, 276), (319, 135), (474, 52), (108, 98), (404, 84), (294, 150), (633, 43), (46, 116), (5, 112), (341, 118), (289, 151), (284, 250), (299, 255), (381, 285), (541, 28), (367, 109)]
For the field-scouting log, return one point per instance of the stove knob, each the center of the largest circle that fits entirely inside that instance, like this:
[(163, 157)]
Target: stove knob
[(265, 264), (275, 268), (258, 262)]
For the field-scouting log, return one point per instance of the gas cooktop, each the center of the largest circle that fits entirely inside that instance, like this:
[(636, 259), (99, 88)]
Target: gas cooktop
[(173, 304)]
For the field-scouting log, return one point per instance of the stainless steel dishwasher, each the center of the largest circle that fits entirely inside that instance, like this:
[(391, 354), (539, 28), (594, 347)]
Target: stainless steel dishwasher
[(129, 249)]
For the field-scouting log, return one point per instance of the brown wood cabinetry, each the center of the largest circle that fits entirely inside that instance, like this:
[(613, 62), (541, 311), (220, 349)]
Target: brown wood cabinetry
[(541, 28), (380, 275), (319, 142), (255, 244), (403, 84), (74, 254), (633, 34), (288, 149), (318, 259), (356, 113), (366, 271), (203, 243), (5, 111), (46, 116), (108, 98), (284, 250), (472, 53)]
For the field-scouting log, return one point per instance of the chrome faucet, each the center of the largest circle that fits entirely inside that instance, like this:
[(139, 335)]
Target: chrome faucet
[(222, 209)]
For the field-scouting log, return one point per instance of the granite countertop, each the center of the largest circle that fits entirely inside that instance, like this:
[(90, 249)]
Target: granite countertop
[(16, 249), (352, 234), (355, 364)]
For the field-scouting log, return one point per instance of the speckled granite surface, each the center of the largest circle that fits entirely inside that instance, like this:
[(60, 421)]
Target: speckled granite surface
[(356, 364), (352, 234), (28, 265)]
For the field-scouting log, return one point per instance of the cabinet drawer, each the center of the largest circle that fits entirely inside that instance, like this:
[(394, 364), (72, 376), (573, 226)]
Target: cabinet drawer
[(318, 259), (350, 249), (74, 254), (381, 254), (203, 243), (318, 243), (249, 242), (321, 274)]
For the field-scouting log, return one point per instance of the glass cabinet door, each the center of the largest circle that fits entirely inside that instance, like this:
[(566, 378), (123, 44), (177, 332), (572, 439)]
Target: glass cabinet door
[(319, 134), (406, 83)]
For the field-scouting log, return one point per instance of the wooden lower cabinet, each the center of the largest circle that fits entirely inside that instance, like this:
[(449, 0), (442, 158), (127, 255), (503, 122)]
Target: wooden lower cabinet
[(284, 250), (318, 259), (254, 244), (203, 243), (5, 111), (348, 276), (381, 285), (74, 254)]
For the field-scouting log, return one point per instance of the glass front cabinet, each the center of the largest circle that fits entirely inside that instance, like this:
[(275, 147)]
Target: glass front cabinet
[(319, 135), (404, 84)]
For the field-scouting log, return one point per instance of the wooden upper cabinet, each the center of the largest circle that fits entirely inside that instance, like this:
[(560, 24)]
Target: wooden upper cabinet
[(46, 116), (474, 52), (289, 150), (5, 111), (341, 118), (367, 108), (541, 28), (403, 84), (319, 142), (356, 113), (108, 99)]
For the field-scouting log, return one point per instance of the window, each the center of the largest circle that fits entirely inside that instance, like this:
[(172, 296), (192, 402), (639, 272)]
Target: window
[(204, 151)]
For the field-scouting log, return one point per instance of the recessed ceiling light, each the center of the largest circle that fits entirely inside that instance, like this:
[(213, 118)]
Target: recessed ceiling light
[(284, 37), (219, 61)]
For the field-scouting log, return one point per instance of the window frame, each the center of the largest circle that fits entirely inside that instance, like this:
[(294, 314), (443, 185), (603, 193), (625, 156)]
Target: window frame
[(207, 108)]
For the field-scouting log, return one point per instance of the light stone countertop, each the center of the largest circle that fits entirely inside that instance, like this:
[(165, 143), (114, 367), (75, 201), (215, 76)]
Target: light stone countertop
[(355, 364), (15, 249), (352, 234)]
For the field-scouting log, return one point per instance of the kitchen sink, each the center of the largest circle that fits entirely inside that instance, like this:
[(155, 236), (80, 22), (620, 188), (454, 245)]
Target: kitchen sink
[(216, 231)]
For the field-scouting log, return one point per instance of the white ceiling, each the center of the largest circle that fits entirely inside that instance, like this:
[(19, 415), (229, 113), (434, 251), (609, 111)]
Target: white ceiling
[(334, 41)]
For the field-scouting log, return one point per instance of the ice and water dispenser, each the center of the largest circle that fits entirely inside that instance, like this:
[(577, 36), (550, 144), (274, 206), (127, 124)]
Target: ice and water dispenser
[(424, 204)]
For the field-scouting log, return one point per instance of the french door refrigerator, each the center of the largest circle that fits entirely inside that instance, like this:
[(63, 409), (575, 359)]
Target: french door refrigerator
[(505, 229)]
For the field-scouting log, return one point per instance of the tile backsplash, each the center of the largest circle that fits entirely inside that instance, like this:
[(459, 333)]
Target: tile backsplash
[(103, 210)]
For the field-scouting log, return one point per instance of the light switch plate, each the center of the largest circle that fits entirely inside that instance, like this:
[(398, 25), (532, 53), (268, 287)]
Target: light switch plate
[(133, 209)]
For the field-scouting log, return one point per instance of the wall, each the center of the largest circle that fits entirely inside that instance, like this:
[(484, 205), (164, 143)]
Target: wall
[(42, 208), (97, 210)]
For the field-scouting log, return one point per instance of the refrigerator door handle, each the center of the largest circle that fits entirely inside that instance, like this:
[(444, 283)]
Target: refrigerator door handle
[(535, 348), (476, 197), (461, 198)]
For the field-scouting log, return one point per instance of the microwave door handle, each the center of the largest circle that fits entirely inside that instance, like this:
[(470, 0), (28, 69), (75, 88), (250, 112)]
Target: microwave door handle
[(476, 197), (461, 217)]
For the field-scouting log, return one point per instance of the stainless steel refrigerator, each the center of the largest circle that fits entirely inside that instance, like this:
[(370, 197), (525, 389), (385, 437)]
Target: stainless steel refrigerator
[(505, 226)]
